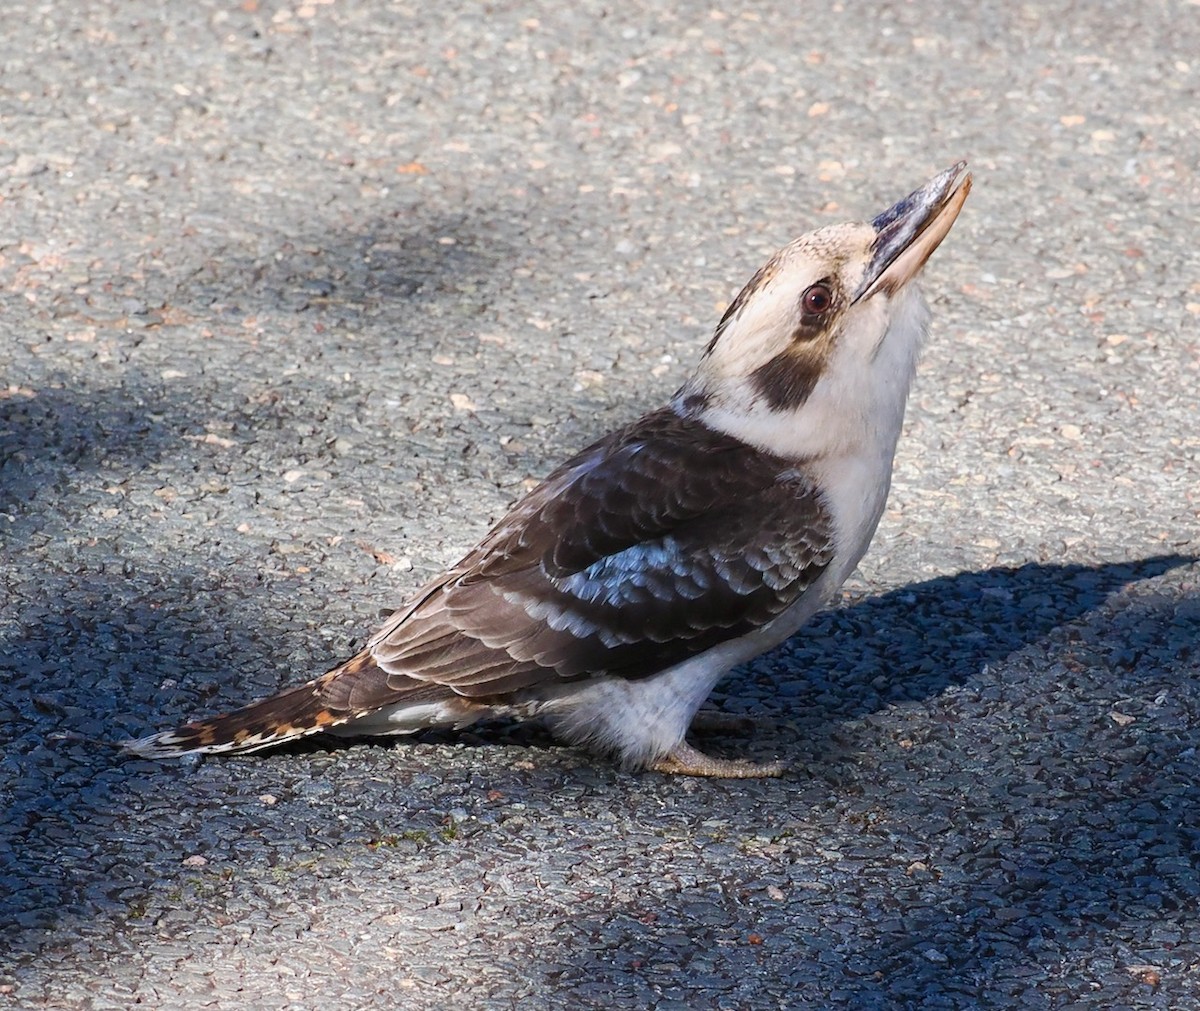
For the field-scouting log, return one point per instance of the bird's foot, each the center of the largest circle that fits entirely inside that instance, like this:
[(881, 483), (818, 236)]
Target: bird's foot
[(684, 760), (713, 721)]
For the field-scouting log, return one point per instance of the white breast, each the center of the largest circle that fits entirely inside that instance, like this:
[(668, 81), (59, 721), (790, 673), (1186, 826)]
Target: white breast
[(845, 437), (872, 401)]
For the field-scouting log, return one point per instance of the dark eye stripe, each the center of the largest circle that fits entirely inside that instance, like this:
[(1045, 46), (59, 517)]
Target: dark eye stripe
[(786, 381)]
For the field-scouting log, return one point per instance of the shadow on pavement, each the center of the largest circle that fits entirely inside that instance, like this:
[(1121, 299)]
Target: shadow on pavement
[(50, 434), (1057, 802), (95, 653), (916, 641), (1037, 848), (377, 269)]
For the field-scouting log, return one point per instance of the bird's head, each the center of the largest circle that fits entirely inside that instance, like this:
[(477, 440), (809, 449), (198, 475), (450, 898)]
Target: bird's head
[(827, 328)]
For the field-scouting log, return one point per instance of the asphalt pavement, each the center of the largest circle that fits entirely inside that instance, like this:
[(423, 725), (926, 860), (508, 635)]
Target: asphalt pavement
[(296, 299)]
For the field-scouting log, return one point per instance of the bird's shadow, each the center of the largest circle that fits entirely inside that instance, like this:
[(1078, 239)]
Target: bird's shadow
[(914, 642), (1034, 825)]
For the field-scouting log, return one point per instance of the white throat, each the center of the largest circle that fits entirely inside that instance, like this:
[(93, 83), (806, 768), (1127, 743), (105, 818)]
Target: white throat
[(856, 407)]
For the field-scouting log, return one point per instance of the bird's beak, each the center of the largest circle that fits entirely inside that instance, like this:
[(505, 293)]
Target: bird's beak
[(907, 233)]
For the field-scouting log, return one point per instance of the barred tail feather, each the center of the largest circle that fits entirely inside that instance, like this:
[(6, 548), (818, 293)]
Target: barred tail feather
[(287, 716)]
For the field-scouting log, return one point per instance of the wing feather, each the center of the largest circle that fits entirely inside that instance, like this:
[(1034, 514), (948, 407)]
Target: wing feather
[(654, 544)]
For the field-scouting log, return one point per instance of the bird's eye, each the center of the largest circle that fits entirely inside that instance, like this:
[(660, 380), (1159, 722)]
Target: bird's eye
[(817, 299)]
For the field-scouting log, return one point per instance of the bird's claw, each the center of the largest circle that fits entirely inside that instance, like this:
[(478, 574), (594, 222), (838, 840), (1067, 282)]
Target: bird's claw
[(684, 760)]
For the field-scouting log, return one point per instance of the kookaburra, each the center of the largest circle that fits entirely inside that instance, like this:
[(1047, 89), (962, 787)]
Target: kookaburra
[(613, 597)]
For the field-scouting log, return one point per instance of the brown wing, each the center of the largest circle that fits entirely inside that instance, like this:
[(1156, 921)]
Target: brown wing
[(658, 542)]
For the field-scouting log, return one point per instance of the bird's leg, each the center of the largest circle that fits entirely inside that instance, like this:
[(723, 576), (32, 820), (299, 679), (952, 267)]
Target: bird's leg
[(684, 760)]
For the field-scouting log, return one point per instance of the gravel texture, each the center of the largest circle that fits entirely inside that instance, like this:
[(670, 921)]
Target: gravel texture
[(294, 300)]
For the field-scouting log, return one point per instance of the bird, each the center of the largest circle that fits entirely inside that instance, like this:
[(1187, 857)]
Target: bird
[(612, 598)]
